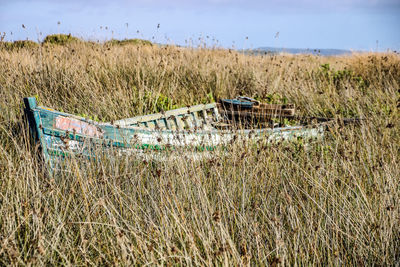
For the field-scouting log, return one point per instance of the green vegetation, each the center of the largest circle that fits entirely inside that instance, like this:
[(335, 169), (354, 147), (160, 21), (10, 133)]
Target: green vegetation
[(334, 202), (18, 44), (60, 39), (129, 41), (64, 39)]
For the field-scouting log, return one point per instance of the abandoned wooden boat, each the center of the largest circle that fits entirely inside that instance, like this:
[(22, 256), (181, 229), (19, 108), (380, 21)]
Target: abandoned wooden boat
[(194, 128)]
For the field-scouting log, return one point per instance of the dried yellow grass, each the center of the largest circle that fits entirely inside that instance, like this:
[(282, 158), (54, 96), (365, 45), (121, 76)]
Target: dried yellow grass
[(334, 202)]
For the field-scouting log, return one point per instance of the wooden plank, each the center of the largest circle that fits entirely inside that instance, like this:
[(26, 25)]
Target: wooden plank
[(205, 117), (178, 123), (172, 123), (269, 114), (187, 121), (274, 106), (216, 113), (286, 109), (196, 119)]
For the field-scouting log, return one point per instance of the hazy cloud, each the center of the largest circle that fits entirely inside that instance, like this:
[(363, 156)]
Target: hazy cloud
[(243, 3)]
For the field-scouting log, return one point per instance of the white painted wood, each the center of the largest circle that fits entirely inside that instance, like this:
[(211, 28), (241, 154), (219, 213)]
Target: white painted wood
[(167, 114)]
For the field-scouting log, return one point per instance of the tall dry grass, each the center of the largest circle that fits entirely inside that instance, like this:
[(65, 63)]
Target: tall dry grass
[(332, 202)]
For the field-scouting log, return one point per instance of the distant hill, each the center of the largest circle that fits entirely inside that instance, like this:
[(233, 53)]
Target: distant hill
[(277, 50)]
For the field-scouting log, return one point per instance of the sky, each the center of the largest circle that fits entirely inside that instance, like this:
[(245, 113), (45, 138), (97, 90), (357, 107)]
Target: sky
[(242, 24)]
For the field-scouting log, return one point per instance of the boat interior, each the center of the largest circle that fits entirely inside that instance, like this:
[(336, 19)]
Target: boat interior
[(226, 114)]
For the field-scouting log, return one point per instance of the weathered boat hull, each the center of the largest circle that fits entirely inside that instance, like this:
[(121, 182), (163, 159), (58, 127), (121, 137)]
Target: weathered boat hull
[(60, 134)]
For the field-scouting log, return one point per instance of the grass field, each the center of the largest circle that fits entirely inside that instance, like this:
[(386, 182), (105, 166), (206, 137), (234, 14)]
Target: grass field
[(333, 202)]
